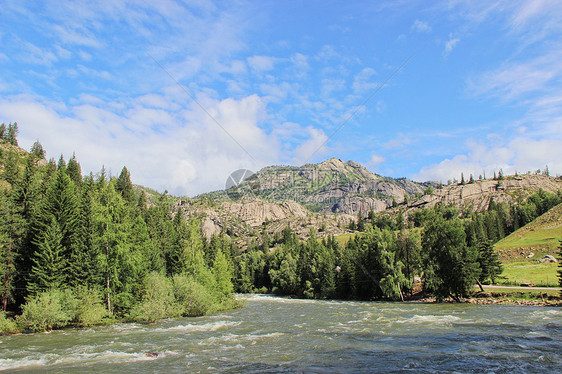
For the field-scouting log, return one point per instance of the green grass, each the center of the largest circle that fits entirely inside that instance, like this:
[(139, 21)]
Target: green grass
[(344, 238), (522, 294), (543, 233), (540, 274), (546, 238)]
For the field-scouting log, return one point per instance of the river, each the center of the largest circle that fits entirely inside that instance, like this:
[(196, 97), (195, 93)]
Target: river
[(272, 334)]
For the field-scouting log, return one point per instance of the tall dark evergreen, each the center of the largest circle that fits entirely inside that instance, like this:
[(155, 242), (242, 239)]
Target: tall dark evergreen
[(12, 134), (49, 269), (74, 171), (37, 150), (124, 185)]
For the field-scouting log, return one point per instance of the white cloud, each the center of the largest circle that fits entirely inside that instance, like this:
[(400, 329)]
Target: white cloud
[(450, 45), (421, 26), (261, 63), (376, 160), (521, 154), (364, 81)]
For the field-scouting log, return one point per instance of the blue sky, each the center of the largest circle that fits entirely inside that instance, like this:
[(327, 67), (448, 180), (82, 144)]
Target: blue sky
[(474, 86)]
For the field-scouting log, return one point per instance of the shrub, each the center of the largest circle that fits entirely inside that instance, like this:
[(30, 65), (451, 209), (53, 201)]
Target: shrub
[(89, 309), (194, 298), (158, 300), (45, 311), (7, 325)]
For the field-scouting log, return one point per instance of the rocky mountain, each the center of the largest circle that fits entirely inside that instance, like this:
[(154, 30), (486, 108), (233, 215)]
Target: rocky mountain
[(332, 186), (325, 197)]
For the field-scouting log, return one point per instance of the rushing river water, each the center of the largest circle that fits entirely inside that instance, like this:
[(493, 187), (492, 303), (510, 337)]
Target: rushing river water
[(283, 335)]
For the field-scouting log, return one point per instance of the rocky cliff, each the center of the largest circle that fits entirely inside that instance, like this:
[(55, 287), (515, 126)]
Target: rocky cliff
[(477, 195), (332, 186)]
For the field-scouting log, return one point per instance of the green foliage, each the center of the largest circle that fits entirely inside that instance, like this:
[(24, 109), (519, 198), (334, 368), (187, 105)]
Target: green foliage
[(46, 311), (50, 264), (37, 150), (192, 297), (452, 266), (489, 262), (7, 325), (158, 300), (560, 266)]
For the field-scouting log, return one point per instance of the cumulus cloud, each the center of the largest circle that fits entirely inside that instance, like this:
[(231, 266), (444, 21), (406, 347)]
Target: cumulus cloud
[(521, 154)]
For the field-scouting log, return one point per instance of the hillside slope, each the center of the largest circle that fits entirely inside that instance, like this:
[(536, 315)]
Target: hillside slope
[(541, 237)]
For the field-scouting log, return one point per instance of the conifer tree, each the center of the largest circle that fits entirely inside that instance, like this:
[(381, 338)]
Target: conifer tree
[(49, 269), (11, 172), (37, 150), (61, 165), (11, 233), (3, 131), (12, 135), (489, 262), (74, 171), (124, 185)]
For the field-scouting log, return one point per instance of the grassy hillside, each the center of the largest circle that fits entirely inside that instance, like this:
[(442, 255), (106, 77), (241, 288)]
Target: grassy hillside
[(540, 237), (543, 235)]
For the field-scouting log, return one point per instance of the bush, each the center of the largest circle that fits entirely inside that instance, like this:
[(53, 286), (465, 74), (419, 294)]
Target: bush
[(7, 325), (89, 309), (45, 311), (158, 300), (194, 298)]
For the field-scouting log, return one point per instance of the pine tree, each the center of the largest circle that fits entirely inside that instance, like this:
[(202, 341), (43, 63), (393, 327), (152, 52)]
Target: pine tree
[(37, 150), (11, 234), (12, 135), (3, 132), (124, 185), (11, 172), (61, 165), (49, 267), (74, 171), (489, 262)]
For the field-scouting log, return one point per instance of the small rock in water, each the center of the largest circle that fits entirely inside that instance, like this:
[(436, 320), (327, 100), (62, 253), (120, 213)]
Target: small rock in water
[(151, 354)]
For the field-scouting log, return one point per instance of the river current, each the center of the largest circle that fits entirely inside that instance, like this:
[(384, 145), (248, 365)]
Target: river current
[(272, 334)]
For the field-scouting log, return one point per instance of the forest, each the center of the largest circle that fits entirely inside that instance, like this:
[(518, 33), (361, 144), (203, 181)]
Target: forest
[(80, 250), (83, 250)]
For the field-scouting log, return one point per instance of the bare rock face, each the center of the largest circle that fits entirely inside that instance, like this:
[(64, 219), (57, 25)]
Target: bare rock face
[(478, 195), (256, 212), (250, 217), (334, 186)]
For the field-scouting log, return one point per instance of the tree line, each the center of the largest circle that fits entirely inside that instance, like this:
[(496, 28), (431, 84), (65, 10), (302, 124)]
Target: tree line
[(70, 241), (447, 249)]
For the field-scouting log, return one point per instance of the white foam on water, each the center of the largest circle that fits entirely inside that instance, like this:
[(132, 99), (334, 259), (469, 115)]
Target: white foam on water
[(191, 327), (8, 363), (430, 319), (547, 314)]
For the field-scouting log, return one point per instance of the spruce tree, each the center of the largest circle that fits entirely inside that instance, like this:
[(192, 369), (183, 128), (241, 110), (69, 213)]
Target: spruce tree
[(124, 185), (11, 172), (74, 171), (12, 135), (37, 150), (49, 269), (3, 132)]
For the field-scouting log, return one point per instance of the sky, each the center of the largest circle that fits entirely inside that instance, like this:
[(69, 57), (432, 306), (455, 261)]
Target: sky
[(183, 93)]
